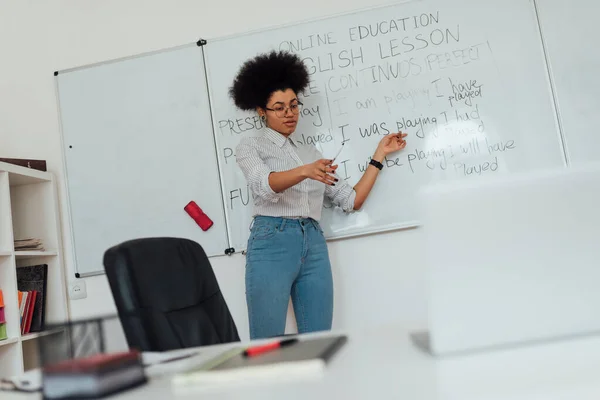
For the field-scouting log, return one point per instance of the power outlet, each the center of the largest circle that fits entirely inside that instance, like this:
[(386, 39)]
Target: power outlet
[(77, 290)]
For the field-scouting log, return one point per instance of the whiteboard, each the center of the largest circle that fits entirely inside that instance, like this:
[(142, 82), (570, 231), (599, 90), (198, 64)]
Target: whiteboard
[(138, 146), (465, 79), (569, 31)]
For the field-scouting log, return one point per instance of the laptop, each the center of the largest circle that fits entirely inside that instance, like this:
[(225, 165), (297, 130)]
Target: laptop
[(511, 260)]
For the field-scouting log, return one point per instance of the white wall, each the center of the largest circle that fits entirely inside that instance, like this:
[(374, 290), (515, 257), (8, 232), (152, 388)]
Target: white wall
[(383, 282)]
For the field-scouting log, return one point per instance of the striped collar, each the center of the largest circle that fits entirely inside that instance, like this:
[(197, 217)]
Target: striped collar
[(277, 138)]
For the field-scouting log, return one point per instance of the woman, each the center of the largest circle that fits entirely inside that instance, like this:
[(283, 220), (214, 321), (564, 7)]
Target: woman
[(287, 254)]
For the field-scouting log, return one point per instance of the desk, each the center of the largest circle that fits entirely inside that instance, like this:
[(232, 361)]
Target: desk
[(383, 364)]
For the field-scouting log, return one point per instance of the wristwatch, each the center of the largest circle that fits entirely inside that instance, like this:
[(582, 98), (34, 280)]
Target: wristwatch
[(376, 164)]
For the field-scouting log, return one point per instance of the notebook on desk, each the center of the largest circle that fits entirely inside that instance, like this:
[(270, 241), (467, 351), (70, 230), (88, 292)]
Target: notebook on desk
[(306, 358)]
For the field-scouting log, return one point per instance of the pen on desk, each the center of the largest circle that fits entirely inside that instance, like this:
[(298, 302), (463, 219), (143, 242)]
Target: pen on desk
[(177, 358), (338, 153), (260, 349), (168, 360)]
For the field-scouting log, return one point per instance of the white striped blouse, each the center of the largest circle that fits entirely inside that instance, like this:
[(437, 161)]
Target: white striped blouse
[(272, 152)]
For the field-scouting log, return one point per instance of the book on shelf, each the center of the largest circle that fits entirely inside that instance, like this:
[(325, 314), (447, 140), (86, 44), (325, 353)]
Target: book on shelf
[(3, 335), (40, 165), (29, 244), (32, 282)]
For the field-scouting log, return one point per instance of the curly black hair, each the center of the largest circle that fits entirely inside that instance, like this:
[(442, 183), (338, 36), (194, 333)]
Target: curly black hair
[(259, 77)]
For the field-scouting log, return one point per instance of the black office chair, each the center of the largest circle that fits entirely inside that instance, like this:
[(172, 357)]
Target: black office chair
[(167, 295)]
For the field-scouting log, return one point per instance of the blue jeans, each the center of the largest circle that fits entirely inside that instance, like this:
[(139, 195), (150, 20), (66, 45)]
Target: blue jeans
[(287, 257)]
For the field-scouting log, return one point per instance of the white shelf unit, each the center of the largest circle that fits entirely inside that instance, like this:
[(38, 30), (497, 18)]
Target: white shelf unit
[(28, 208)]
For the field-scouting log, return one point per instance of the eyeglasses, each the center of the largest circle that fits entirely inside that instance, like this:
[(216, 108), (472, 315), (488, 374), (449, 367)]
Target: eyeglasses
[(281, 111)]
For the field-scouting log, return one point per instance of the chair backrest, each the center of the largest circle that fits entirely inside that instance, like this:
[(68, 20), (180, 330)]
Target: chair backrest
[(167, 295)]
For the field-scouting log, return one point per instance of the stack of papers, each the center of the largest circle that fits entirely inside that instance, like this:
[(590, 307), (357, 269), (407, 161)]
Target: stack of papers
[(30, 244), (30, 381)]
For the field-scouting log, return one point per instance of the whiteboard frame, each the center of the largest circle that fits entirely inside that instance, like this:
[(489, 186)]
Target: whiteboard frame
[(414, 223), (65, 184), (219, 165), (209, 41), (550, 78), (217, 39)]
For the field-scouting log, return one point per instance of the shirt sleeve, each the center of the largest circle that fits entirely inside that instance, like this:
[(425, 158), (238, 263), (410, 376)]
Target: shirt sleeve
[(341, 195), (256, 172)]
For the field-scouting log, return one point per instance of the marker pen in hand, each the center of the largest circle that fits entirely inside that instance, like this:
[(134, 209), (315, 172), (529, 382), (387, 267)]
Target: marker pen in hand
[(338, 153), (261, 349)]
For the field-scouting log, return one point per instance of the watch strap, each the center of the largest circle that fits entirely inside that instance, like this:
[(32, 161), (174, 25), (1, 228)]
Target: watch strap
[(376, 164)]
